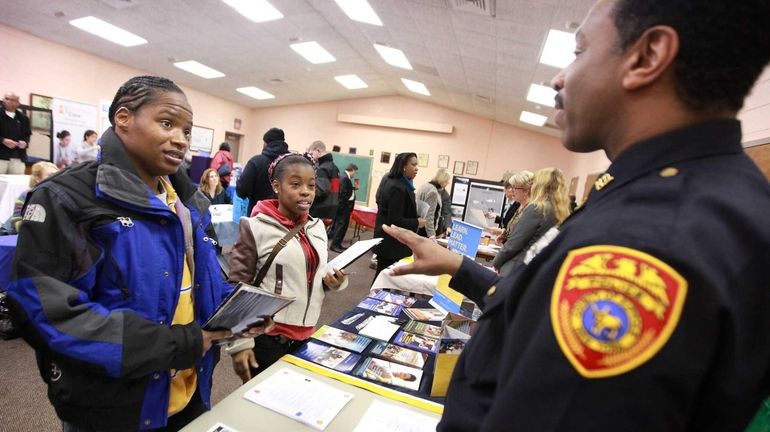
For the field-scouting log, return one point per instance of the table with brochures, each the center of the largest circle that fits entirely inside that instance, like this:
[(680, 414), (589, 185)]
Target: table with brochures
[(389, 365)]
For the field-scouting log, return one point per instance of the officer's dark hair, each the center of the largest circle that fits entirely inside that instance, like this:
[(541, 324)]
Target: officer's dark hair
[(279, 166), (724, 45), (138, 91), (397, 169)]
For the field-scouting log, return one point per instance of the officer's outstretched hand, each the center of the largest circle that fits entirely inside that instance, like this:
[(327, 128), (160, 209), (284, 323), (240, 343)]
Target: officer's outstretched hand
[(430, 258)]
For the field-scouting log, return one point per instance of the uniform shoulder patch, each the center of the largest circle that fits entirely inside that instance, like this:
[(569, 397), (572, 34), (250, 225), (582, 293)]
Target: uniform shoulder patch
[(34, 213), (613, 308)]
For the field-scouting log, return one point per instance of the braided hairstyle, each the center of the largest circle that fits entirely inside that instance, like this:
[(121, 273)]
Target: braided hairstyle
[(281, 163), (138, 91)]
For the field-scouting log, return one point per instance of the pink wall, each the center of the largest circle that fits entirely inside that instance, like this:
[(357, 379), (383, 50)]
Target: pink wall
[(29, 64), (497, 147)]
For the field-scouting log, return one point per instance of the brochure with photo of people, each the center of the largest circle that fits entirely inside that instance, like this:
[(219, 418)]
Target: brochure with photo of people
[(425, 314), (380, 306), (390, 373), (394, 298), (342, 338), (399, 354), (424, 329), (418, 342), (329, 356)]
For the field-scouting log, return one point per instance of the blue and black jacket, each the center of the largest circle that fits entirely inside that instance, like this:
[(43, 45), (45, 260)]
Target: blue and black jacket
[(95, 284)]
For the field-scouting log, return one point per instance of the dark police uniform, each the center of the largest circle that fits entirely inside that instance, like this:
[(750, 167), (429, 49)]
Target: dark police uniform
[(649, 311)]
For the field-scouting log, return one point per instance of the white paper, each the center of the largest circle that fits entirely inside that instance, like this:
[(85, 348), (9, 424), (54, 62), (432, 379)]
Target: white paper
[(380, 327), (351, 254), (221, 427), (221, 213), (422, 208), (382, 417), (299, 397)]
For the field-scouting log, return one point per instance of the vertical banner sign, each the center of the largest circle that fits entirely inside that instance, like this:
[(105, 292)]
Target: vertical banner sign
[(464, 239)]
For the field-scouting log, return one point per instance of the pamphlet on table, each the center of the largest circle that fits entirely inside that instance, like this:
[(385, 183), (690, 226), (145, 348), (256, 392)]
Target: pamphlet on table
[(383, 417)]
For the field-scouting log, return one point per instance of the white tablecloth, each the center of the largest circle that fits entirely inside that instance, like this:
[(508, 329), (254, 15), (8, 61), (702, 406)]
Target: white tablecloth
[(11, 186)]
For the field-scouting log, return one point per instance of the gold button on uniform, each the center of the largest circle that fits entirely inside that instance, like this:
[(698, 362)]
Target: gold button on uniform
[(669, 172), (491, 291)]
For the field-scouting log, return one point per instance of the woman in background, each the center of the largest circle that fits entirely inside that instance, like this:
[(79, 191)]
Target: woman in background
[(40, 171), (430, 194), (520, 188), (548, 207), (211, 186), (88, 148), (64, 154), (222, 162), (396, 206)]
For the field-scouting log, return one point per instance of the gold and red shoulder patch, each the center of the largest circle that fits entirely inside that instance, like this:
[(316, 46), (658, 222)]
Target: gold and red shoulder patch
[(613, 308)]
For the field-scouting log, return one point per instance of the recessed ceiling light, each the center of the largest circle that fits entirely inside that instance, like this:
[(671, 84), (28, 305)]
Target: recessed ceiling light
[(532, 118), (359, 10), (199, 69), (351, 82), (541, 94), (255, 10), (255, 92), (393, 56), (416, 86), (105, 30), (559, 50), (313, 52)]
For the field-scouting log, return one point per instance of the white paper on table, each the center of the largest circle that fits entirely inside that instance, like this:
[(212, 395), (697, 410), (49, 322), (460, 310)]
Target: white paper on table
[(382, 417), (221, 427), (299, 397), (380, 327), (351, 254)]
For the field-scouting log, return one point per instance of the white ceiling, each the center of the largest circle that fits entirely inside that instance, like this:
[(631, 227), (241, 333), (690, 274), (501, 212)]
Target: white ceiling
[(470, 62)]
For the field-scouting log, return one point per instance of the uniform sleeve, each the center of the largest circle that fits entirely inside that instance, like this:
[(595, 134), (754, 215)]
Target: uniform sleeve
[(473, 280), (243, 258), (395, 214), (51, 283), (525, 229)]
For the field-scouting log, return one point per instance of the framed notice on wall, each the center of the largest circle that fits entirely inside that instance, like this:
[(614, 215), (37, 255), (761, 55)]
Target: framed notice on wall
[(202, 139)]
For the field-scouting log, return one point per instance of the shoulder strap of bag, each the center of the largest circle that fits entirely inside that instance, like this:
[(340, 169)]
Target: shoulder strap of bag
[(277, 248)]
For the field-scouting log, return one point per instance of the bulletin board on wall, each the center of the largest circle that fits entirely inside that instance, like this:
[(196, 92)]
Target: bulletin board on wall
[(364, 175), (472, 198), (202, 139)]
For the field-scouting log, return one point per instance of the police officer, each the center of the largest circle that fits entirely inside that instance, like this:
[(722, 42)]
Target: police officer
[(648, 309)]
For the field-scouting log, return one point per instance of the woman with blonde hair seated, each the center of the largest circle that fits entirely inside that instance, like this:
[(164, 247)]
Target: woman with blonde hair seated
[(40, 171), (518, 189), (547, 207)]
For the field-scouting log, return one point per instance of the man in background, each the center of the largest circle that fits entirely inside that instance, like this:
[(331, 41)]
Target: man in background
[(253, 182), (347, 202), (14, 136), (327, 183)]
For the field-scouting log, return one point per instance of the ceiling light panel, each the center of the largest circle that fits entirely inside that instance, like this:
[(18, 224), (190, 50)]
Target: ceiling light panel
[(542, 95), (351, 82), (105, 30), (393, 56), (256, 93), (313, 52), (532, 118), (359, 10), (255, 10), (199, 69), (416, 86), (559, 50)]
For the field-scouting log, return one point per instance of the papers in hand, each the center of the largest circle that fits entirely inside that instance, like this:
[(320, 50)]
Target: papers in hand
[(299, 397), (351, 254), (422, 209), (245, 307)]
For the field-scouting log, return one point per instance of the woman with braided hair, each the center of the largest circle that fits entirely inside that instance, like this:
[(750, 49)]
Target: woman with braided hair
[(296, 271), (115, 274)]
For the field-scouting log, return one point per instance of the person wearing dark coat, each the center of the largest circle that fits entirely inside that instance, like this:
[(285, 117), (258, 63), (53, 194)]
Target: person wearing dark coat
[(396, 205), (347, 202), (327, 183), (253, 182)]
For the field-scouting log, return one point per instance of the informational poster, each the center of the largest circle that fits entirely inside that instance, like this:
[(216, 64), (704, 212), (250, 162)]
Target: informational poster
[(464, 239), (75, 117), (104, 116), (202, 139), (460, 190)]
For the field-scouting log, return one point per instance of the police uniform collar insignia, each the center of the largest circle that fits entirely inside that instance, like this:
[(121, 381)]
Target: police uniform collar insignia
[(603, 181), (613, 308)]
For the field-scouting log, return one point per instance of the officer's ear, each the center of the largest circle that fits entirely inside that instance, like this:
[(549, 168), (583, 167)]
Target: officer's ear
[(650, 57)]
